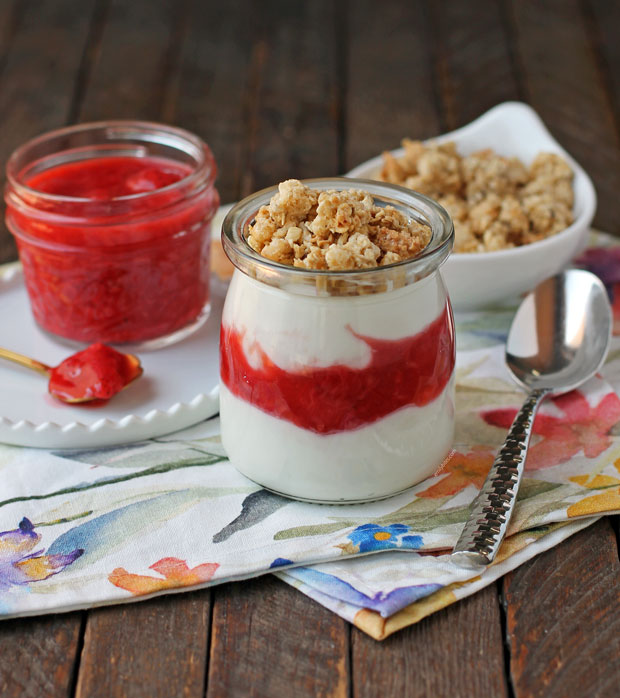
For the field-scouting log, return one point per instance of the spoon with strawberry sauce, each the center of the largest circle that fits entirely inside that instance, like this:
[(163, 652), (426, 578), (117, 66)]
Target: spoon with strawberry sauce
[(95, 373)]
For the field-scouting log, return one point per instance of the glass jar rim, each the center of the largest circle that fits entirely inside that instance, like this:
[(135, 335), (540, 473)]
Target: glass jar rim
[(349, 281), (202, 175)]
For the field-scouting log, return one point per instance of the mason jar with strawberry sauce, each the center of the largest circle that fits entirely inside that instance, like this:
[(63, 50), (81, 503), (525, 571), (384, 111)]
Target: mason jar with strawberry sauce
[(112, 224), (338, 386)]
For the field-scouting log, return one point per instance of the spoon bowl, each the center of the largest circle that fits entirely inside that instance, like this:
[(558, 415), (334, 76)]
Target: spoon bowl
[(560, 334), (559, 338), (93, 374)]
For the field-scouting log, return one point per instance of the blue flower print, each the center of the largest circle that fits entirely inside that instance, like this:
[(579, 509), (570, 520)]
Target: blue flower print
[(280, 562), (371, 537)]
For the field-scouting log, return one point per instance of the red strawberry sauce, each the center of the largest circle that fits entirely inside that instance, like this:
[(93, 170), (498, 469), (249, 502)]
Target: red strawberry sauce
[(401, 373), (98, 372), (108, 177), (106, 268)]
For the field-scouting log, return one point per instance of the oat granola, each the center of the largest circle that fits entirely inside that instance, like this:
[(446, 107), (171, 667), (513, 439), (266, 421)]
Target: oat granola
[(495, 202), (333, 230)]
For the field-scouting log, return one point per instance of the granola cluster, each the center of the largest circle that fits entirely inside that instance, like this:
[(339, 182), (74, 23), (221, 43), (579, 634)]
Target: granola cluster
[(494, 201), (333, 230)]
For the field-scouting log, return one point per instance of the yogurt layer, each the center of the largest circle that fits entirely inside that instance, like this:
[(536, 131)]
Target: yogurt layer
[(371, 462), (337, 399), (298, 331)]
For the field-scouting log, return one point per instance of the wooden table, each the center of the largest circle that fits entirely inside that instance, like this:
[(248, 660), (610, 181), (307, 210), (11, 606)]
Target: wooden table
[(302, 89)]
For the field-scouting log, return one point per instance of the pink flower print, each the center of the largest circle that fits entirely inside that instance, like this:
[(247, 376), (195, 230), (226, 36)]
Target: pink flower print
[(581, 428)]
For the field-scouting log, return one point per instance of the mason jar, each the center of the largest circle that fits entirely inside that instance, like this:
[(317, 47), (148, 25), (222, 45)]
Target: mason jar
[(338, 386), (112, 224)]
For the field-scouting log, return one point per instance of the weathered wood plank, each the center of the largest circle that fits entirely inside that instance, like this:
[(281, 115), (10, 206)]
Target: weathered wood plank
[(563, 82), (38, 78), (270, 640), (457, 652), (153, 648), (291, 112), (562, 617), (133, 65), (37, 656), (10, 15), (39, 73), (208, 92), (390, 86), (604, 18), (473, 65)]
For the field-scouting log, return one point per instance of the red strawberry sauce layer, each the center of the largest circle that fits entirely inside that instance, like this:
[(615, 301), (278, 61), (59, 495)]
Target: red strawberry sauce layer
[(412, 371)]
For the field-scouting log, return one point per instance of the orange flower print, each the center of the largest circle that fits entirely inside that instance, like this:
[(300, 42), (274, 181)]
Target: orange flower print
[(175, 573), (607, 501), (581, 428), (460, 470), (608, 498)]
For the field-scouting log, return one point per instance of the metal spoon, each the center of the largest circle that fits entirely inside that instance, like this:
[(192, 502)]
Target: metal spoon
[(61, 376), (558, 339)]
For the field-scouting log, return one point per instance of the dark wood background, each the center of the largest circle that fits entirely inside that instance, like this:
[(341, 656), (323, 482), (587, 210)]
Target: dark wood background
[(299, 89)]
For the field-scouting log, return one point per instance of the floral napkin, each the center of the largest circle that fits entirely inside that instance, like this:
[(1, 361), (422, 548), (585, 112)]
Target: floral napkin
[(103, 526)]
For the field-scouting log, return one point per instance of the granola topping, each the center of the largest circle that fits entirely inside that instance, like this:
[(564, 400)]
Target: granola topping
[(495, 202), (333, 230)]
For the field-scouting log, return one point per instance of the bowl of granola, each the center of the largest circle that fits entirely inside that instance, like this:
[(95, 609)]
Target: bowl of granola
[(337, 340), (520, 204)]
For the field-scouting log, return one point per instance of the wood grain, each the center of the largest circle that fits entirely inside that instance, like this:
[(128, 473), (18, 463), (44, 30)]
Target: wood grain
[(562, 617), (40, 69), (38, 78), (474, 66), (456, 653), (563, 82), (270, 640), (211, 84), (291, 110), (37, 656), (604, 26), (153, 648), (133, 65), (10, 15), (390, 85)]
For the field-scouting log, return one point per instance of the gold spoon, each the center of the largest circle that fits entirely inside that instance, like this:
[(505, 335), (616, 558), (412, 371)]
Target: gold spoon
[(95, 373)]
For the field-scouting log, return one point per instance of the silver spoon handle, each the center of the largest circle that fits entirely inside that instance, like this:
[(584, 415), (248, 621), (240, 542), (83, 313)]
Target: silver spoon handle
[(492, 508)]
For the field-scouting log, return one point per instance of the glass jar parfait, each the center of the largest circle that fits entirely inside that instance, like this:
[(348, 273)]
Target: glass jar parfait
[(338, 386), (112, 223)]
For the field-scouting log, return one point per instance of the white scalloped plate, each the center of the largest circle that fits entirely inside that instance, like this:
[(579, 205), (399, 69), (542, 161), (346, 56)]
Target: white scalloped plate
[(179, 386)]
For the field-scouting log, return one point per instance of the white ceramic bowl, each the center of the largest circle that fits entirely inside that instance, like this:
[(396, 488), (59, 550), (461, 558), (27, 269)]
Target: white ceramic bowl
[(477, 280)]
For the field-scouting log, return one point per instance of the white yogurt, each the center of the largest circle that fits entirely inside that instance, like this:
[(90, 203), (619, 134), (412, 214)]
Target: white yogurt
[(299, 331), (371, 462)]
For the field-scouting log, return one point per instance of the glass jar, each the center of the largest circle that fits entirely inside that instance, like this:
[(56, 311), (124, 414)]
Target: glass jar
[(112, 223), (338, 386)]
